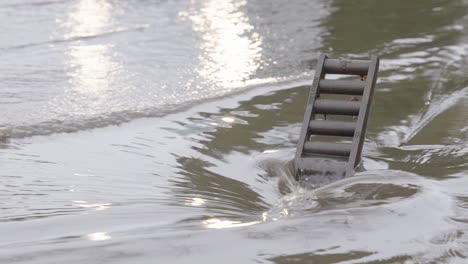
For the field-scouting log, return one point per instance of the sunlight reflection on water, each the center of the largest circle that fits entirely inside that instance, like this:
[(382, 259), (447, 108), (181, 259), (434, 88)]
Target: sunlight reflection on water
[(216, 223), (98, 236), (231, 50), (93, 63), (89, 18)]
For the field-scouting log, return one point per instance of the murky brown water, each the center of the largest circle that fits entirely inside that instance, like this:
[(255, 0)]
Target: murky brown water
[(162, 132)]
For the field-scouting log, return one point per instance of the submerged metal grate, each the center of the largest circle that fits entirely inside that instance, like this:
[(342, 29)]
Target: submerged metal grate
[(310, 151)]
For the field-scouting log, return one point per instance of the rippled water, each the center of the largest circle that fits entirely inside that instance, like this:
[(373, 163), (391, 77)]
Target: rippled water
[(163, 131)]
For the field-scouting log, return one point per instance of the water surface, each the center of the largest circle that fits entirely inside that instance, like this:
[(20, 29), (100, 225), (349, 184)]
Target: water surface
[(141, 131)]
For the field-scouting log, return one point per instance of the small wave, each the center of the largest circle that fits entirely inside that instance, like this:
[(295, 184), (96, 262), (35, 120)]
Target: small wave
[(75, 38), (411, 41), (403, 133), (75, 124), (33, 4)]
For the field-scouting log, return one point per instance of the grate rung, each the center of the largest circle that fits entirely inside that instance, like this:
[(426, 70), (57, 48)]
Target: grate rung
[(328, 148), (337, 107), (353, 67), (341, 87), (332, 128)]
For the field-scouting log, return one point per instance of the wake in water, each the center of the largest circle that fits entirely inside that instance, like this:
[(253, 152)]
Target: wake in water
[(366, 189), (401, 134), (369, 206)]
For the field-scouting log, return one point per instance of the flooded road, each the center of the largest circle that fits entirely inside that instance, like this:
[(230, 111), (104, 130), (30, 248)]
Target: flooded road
[(163, 132)]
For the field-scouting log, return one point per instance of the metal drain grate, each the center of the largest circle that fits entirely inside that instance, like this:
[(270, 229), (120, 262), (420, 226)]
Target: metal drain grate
[(332, 139)]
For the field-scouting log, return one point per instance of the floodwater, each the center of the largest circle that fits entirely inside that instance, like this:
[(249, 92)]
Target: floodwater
[(138, 131)]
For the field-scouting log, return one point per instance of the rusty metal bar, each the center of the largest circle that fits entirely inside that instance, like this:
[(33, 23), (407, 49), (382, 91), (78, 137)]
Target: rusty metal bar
[(352, 67), (349, 87), (328, 148), (332, 128), (337, 107)]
